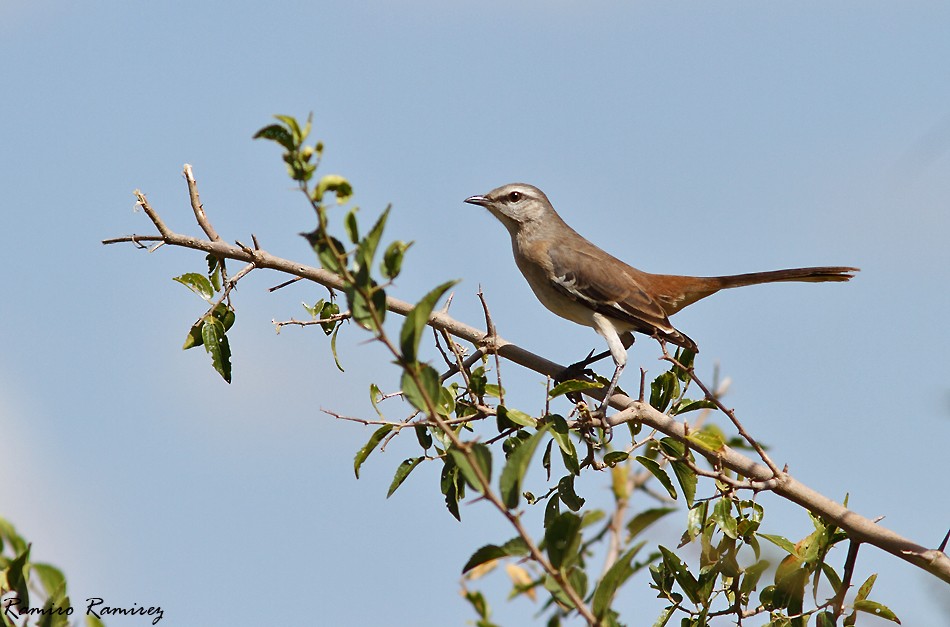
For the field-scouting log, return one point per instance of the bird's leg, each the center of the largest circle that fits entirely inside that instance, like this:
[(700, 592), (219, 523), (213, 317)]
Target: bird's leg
[(617, 342), (601, 411)]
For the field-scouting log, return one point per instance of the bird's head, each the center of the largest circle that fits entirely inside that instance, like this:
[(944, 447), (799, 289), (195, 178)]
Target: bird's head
[(515, 204)]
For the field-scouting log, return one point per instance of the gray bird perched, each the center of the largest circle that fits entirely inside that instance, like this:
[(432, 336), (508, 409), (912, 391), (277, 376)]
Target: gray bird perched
[(577, 280)]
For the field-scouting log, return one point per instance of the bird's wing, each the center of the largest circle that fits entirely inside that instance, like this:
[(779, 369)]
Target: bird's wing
[(610, 287)]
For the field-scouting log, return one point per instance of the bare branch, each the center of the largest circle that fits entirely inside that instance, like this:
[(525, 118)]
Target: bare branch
[(197, 207)]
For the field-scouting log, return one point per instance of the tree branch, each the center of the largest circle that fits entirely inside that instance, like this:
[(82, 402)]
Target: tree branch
[(858, 528)]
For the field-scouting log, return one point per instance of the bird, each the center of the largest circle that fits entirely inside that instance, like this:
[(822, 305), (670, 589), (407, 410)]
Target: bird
[(580, 282)]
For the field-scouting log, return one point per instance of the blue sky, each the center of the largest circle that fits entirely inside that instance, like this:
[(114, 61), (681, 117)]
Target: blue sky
[(684, 137)]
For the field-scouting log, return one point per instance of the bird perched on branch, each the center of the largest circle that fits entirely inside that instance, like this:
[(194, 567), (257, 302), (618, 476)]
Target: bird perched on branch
[(577, 280)]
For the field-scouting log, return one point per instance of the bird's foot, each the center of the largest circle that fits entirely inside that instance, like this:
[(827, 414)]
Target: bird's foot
[(578, 370)]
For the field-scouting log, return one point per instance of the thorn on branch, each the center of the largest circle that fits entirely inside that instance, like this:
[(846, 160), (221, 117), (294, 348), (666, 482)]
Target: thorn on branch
[(285, 284)]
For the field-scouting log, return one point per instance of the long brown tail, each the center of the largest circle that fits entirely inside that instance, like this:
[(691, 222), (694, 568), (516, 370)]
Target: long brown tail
[(813, 275), (677, 292)]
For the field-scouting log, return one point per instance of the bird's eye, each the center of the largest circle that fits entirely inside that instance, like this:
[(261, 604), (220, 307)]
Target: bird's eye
[(514, 196)]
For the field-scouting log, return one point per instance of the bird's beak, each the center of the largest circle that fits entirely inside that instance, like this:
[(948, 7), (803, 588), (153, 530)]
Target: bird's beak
[(477, 200)]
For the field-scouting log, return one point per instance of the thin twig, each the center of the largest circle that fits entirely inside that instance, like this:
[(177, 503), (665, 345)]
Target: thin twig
[(850, 561), (134, 239), (308, 323), (729, 412), (285, 283), (493, 334), (197, 207)]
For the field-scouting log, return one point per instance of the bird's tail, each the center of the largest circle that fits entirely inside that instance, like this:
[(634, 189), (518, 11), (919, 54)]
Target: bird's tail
[(811, 275)]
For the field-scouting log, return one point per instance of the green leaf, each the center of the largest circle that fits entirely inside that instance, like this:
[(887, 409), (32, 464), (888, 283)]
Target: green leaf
[(328, 310), (687, 480), (350, 225), (515, 547), (665, 616), (615, 457), (315, 310), (427, 387), (392, 259), (367, 306), (707, 440), (477, 382), (446, 404), (695, 521), (865, 588), (825, 619), (574, 385), (402, 472), (578, 580), (477, 599), (225, 314), (616, 576), (681, 573), (780, 542), (546, 463), (193, 338), (215, 340), (515, 468), (367, 247), (423, 436), (277, 133), (688, 406), (576, 577), (561, 434), (552, 510), (453, 487), (646, 518), (663, 390), (722, 515), (659, 473), (832, 577), (416, 320), (333, 183), (16, 574), (50, 577), (220, 312), (685, 357), (336, 358), (92, 621), (482, 456), (877, 609), (330, 251), (790, 581), (369, 447), (750, 579), (562, 539), (197, 283), (291, 123), (214, 271), (375, 396), (517, 417), (565, 490), (492, 389)]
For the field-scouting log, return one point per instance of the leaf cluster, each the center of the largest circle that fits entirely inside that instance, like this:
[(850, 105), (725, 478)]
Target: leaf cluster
[(31, 590)]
